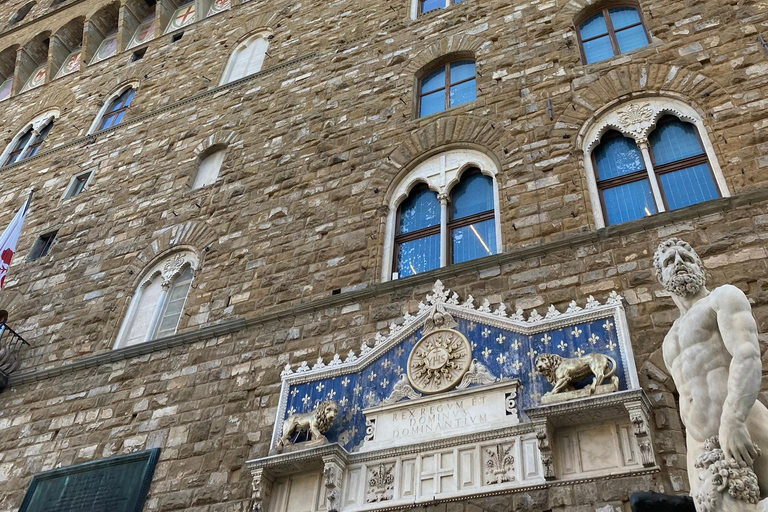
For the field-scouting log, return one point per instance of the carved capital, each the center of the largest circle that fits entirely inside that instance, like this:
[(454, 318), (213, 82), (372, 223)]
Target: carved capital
[(261, 487), (638, 417), (544, 437)]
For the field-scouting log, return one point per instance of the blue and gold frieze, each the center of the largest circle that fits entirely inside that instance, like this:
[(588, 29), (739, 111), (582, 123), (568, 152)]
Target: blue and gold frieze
[(506, 347)]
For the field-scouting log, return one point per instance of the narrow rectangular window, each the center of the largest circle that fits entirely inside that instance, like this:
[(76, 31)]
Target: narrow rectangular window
[(42, 245), (78, 185)]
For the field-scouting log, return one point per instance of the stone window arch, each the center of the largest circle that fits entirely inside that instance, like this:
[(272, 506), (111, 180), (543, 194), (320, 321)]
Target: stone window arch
[(419, 7), (157, 304), (247, 58), (113, 111), (648, 156), (21, 13), (611, 30), (32, 62), (66, 48), (27, 141), (7, 67), (445, 210)]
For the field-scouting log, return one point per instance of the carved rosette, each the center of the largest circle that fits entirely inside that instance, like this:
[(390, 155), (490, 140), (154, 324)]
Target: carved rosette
[(439, 361), (381, 483)]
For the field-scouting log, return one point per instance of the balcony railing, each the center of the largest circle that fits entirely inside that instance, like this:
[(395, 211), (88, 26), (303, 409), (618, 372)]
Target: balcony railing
[(10, 350)]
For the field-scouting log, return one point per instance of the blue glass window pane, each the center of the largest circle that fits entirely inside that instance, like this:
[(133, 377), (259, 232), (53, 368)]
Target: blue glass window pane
[(628, 202), (593, 26), (598, 49), (431, 5), (418, 255), (473, 195), (128, 99), (463, 93), (473, 241), (434, 80), (673, 141), (623, 16), (631, 38), (431, 103), (461, 70), (617, 156), (420, 210), (688, 186)]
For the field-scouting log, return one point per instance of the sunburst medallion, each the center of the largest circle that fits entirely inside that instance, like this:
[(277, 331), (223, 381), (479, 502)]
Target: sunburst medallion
[(439, 361)]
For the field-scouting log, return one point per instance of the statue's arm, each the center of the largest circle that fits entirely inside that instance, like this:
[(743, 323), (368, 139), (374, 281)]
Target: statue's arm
[(739, 333)]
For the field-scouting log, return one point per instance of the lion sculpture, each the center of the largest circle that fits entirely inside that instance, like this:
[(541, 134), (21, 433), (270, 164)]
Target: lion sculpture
[(317, 423), (562, 372)]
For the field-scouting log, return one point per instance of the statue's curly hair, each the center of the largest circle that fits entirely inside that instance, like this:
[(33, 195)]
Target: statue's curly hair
[(666, 244)]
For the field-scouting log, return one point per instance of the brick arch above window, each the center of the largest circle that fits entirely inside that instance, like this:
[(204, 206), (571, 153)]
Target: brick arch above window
[(456, 46), (193, 235), (447, 132)]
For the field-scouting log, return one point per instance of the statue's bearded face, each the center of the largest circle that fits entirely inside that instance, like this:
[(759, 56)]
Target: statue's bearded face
[(680, 271)]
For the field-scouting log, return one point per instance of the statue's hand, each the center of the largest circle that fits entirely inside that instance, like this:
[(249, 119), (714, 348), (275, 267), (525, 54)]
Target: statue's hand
[(736, 442)]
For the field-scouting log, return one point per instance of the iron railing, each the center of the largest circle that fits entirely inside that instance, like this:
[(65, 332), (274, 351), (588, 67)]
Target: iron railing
[(10, 348)]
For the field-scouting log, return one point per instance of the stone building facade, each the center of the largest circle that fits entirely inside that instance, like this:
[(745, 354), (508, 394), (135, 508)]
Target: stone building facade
[(291, 244)]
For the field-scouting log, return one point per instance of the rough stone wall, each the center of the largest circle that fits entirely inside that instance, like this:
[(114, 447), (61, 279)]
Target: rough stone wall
[(299, 211)]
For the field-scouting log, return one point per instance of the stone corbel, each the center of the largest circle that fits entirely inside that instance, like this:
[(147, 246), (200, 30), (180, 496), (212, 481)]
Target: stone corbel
[(333, 473), (261, 487), (544, 439), (638, 416)]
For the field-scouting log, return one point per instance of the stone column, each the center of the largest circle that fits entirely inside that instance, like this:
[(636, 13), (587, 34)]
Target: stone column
[(652, 180)]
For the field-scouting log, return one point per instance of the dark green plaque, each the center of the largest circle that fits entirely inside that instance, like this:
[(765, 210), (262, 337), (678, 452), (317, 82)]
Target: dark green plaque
[(117, 484)]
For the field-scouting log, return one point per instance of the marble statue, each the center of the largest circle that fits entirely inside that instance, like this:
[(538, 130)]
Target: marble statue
[(316, 423), (713, 356)]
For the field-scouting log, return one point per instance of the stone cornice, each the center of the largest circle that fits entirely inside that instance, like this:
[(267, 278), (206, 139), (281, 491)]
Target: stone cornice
[(386, 288)]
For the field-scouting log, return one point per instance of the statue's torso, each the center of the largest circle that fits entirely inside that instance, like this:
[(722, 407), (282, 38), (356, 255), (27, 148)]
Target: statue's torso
[(698, 361)]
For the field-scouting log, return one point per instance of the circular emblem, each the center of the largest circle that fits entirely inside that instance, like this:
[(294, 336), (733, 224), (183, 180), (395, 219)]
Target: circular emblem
[(439, 361)]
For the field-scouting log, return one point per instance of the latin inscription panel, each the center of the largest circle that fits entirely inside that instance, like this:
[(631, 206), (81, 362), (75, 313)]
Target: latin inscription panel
[(474, 409), (117, 484)]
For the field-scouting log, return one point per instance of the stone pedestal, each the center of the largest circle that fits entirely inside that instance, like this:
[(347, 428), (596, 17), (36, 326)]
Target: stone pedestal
[(577, 393)]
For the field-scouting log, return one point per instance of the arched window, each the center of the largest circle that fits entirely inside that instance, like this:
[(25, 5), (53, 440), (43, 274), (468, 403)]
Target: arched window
[(156, 307), (472, 225), (622, 179), (444, 211), (449, 85), (611, 31), (115, 110), (208, 167), (649, 161), (246, 59), (681, 164), (418, 232), (27, 142)]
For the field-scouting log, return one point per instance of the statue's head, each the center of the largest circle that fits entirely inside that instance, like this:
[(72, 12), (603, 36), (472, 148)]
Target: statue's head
[(678, 267)]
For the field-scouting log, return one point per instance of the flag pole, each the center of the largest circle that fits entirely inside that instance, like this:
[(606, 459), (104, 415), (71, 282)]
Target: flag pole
[(29, 200)]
